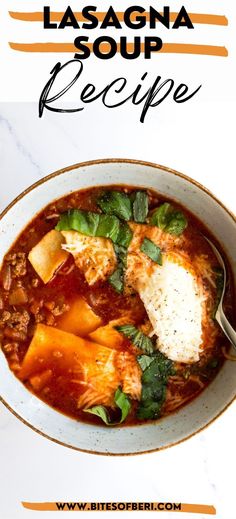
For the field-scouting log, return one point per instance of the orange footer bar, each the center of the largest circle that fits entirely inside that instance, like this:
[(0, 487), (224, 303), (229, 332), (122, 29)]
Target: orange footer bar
[(121, 507)]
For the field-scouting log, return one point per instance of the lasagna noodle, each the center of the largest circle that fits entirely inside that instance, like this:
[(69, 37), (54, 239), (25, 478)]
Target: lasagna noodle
[(48, 256), (97, 370)]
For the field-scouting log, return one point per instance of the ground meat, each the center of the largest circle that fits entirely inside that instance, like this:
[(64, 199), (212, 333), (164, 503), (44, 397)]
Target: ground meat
[(40, 318), (60, 309), (44, 316), (17, 261), (11, 347), (56, 309), (46, 312), (50, 319), (35, 283), (36, 306), (16, 320), (4, 317), (15, 335)]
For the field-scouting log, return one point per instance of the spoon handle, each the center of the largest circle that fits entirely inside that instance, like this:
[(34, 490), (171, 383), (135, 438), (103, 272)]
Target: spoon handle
[(226, 326)]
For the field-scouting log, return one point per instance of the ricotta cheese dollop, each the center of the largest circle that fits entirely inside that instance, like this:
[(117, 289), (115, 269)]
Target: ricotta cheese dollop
[(174, 303)]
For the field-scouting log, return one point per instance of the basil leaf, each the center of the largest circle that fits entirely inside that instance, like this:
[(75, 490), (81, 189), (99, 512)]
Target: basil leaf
[(121, 253), (108, 227), (156, 371), (144, 361), (177, 224), (168, 219), (63, 223), (128, 330), (122, 402), (116, 280), (151, 250), (140, 206), (139, 339), (125, 235), (160, 216), (124, 206), (101, 412), (85, 222), (117, 277), (161, 367), (117, 203), (150, 410), (95, 224)]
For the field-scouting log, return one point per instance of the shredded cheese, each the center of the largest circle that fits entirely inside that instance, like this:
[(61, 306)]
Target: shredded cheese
[(94, 256)]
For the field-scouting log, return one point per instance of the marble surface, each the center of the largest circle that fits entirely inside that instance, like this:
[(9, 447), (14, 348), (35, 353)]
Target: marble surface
[(200, 470)]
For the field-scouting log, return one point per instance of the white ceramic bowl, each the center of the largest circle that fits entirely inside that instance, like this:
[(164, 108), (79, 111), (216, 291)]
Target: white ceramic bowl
[(188, 420)]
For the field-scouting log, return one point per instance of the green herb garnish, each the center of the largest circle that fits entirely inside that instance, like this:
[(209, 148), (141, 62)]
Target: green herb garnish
[(116, 280), (95, 224), (121, 253), (126, 207), (156, 372), (116, 203), (144, 361), (161, 215), (101, 412), (167, 218), (139, 339), (125, 235), (85, 222), (108, 227), (152, 251), (140, 206), (122, 402)]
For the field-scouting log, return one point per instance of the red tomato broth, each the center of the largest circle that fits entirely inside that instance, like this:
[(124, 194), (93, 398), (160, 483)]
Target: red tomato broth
[(61, 393)]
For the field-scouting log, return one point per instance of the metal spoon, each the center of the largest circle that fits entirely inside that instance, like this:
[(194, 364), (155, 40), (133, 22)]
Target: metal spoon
[(220, 315)]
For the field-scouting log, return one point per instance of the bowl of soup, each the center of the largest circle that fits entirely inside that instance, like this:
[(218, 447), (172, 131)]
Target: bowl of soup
[(108, 292)]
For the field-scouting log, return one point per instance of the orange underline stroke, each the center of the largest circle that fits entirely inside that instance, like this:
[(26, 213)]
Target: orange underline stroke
[(185, 507), (211, 19), (169, 48)]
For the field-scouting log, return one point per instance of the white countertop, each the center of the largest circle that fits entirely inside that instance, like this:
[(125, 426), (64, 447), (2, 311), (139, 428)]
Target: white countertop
[(32, 467)]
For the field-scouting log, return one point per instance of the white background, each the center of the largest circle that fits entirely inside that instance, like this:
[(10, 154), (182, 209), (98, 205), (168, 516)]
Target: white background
[(196, 138)]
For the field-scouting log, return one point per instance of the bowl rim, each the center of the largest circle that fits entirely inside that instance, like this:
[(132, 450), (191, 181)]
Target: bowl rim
[(100, 162)]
